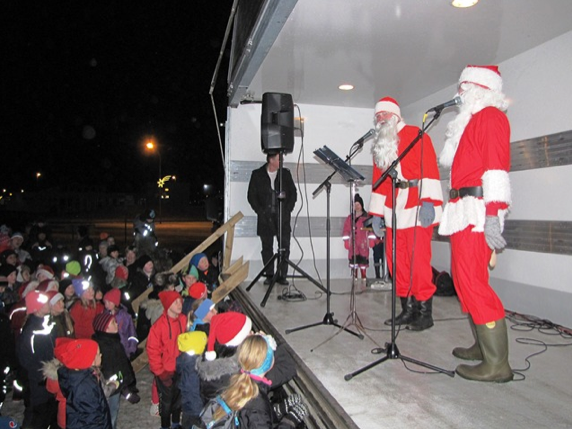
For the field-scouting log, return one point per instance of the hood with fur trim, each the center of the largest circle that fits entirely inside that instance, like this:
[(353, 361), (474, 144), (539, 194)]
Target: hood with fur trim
[(218, 368), (50, 369)]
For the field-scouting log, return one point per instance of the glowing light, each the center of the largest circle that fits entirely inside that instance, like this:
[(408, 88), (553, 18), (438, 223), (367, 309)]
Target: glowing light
[(464, 3), (346, 87)]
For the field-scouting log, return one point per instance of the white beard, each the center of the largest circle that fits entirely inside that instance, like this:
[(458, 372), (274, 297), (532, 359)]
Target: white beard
[(474, 99), (386, 141)]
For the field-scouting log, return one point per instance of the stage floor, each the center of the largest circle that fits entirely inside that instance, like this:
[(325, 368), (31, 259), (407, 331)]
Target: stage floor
[(398, 394)]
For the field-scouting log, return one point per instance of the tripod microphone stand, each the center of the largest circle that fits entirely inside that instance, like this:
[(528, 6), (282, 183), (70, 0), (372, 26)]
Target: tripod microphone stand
[(391, 350), (283, 261)]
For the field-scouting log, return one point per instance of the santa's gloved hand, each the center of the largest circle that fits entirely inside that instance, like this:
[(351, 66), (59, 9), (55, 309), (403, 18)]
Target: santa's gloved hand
[(426, 214), (296, 415), (284, 407), (493, 233)]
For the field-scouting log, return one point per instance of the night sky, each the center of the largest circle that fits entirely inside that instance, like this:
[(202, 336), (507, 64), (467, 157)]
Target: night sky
[(84, 83)]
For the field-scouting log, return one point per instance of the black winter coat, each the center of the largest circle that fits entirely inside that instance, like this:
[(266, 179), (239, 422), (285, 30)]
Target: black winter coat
[(258, 412), (86, 406), (264, 201), (113, 357)]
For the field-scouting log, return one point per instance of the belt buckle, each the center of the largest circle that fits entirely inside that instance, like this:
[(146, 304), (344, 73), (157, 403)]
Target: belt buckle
[(403, 184), (454, 193)]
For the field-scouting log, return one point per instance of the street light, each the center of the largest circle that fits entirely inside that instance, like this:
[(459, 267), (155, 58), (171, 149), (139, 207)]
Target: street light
[(154, 148)]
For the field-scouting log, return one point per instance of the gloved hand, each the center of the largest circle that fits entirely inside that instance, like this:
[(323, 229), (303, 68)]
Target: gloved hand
[(426, 214), (282, 408), (493, 233), (296, 414), (167, 378)]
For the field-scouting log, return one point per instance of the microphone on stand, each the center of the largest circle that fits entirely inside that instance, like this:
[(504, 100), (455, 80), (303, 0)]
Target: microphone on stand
[(363, 138), (454, 102)]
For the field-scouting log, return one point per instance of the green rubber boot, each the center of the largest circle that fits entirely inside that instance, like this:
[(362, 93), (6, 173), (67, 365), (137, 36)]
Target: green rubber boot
[(470, 353), (493, 341)]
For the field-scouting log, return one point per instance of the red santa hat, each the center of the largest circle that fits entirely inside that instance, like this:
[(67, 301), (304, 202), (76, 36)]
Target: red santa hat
[(114, 296), (388, 104), (229, 329), (48, 285), (75, 354), (487, 76), (29, 287), (168, 297), (54, 297), (46, 271), (35, 300)]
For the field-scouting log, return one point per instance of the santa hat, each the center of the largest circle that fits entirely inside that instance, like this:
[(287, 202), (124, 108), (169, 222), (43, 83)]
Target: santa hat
[(73, 268), (75, 354), (80, 286), (54, 297), (29, 287), (197, 290), (168, 297), (487, 76), (102, 321), (121, 272), (46, 271), (35, 300), (229, 329), (113, 296), (192, 343), (388, 104)]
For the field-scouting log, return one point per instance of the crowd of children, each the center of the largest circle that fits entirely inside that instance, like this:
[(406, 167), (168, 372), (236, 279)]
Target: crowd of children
[(70, 332)]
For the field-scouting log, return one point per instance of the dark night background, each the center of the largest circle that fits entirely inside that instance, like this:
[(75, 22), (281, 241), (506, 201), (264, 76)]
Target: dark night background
[(84, 83)]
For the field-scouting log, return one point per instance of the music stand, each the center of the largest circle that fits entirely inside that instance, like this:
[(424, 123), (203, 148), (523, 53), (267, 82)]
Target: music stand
[(350, 175), (280, 255), (391, 350)]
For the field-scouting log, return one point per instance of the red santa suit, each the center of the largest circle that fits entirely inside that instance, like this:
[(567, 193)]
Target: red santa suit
[(417, 172), (482, 160)]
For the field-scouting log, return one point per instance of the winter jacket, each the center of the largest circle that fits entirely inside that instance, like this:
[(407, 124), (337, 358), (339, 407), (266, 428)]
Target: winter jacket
[(189, 384), (162, 348), (83, 316), (258, 412), (263, 200), (149, 311), (126, 331), (50, 371), (113, 358), (35, 346), (86, 406), (109, 264)]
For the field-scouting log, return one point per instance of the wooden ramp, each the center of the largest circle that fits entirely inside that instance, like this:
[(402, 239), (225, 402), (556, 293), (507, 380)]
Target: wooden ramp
[(230, 275)]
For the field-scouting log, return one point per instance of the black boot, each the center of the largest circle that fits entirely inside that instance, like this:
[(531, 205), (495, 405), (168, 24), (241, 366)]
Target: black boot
[(408, 314), (376, 267), (425, 319)]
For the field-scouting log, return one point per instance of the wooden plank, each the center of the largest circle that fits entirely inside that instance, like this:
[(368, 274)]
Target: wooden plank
[(231, 283), (205, 244), (137, 301), (142, 360)]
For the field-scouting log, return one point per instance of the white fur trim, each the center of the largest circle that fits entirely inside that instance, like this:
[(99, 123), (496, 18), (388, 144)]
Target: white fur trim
[(210, 356), (482, 76), (431, 188), (242, 334), (460, 214), (496, 187), (376, 204), (387, 106)]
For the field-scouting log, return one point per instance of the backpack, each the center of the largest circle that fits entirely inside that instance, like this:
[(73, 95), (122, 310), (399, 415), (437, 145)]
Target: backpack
[(229, 421), (444, 283)]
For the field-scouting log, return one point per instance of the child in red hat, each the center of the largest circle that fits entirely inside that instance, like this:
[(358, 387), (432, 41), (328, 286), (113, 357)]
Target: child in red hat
[(112, 303)]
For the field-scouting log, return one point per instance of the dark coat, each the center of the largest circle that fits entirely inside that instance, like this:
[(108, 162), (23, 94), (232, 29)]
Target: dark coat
[(264, 201), (35, 346), (86, 406), (189, 384), (258, 412), (113, 357)]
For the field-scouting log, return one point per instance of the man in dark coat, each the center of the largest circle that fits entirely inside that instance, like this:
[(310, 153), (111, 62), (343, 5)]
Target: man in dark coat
[(264, 196)]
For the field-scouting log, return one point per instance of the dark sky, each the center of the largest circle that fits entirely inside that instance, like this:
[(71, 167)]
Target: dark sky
[(83, 83)]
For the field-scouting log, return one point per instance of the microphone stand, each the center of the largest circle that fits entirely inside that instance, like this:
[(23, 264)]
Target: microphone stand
[(391, 350)]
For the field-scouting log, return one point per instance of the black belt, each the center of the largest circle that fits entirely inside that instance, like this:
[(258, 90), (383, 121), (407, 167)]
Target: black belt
[(407, 184), (473, 191)]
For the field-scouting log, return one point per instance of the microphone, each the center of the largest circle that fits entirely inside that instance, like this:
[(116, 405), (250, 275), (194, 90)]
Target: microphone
[(363, 138), (454, 102)]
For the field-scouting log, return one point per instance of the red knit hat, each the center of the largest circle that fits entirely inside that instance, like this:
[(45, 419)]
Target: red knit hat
[(75, 354), (229, 329), (168, 297), (102, 321), (487, 76), (197, 290), (121, 272), (388, 104), (35, 300), (113, 296)]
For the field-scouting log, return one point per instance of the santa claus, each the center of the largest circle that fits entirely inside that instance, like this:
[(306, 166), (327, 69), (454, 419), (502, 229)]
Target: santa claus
[(477, 149), (419, 201)]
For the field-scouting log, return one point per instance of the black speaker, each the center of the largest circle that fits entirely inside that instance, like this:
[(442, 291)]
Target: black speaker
[(277, 122)]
